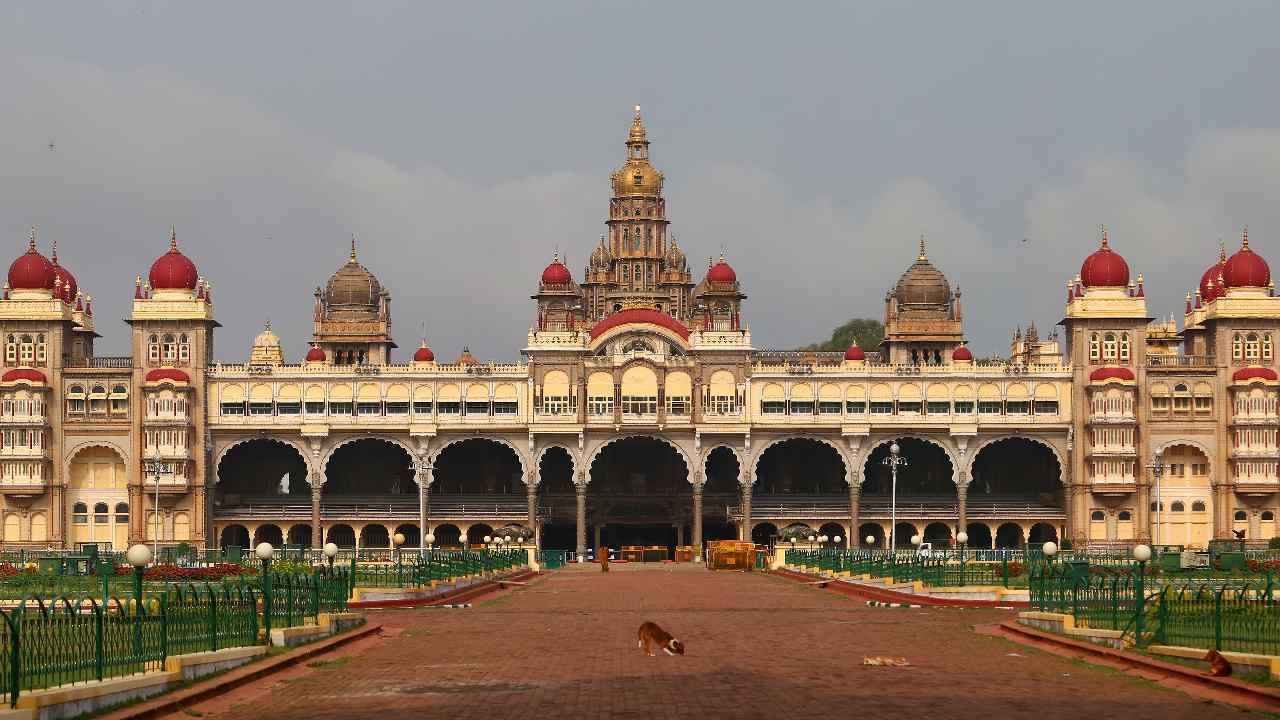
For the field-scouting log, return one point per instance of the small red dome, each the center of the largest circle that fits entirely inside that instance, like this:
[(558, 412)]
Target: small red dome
[(23, 374), (69, 286), (721, 273), (424, 354), (1246, 268), (1104, 268), (1111, 373), (854, 353), (1211, 280), (173, 374), (1253, 373), (961, 353), (173, 270), (556, 273), (640, 315), (315, 354), (31, 271)]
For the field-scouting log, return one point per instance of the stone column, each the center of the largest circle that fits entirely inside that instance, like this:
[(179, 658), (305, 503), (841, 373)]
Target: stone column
[(580, 489), (745, 531), (1143, 514), (596, 539), (531, 498), (1255, 524), (317, 539), (962, 508), (855, 491), (696, 540), (424, 479), (138, 517)]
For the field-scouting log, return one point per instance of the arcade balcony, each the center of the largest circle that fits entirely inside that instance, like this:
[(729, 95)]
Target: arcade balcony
[(512, 508)]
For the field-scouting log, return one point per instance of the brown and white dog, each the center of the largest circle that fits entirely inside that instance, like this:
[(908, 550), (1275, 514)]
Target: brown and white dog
[(653, 638), (1218, 665), (603, 554)]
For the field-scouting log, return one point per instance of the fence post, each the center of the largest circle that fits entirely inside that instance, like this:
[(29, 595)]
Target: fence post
[(1162, 613), (164, 629), (99, 651), (1140, 605), (1004, 569), (266, 605), (15, 658), (1270, 589), (213, 616), (1115, 603), (1217, 619)]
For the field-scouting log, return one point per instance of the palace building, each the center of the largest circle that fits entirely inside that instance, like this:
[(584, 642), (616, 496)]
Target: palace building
[(640, 413)]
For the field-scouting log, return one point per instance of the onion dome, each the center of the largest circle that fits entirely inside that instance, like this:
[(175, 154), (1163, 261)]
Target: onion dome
[(637, 177), (1209, 281), (267, 338), (173, 270), (424, 354), (1253, 373), (962, 353), (353, 288), (1246, 268), (170, 374), (639, 315), (854, 353), (1111, 373), (1105, 267), (316, 354), (31, 271), (556, 273), (466, 358), (922, 283), (59, 274), (23, 375), (721, 272)]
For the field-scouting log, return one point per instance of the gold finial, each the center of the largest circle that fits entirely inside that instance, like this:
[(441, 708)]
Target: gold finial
[(173, 238), (722, 257), (637, 129), (267, 324), (1244, 239), (1222, 250), (353, 247), (1105, 241), (637, 112), (922, 256), (53, 253), (31, 242)]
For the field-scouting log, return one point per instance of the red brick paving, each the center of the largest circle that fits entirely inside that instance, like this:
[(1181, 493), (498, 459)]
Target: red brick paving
[(564, 647)]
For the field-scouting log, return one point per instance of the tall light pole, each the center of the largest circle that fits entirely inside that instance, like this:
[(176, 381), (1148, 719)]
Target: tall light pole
[(893, 462), (1157, 466), (154, 467)]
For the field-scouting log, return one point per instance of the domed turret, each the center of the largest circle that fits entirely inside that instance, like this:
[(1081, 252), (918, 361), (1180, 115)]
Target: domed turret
[(721, 272), (316, 355), (353, 290), (60, 276), (423, 353), (173, 270), (1210, 281), (1246, 268), (31, 271), (855, 353), (1105, 267), (962, 354), (556, 273), (266, 348), (922, 283), (637, 177)]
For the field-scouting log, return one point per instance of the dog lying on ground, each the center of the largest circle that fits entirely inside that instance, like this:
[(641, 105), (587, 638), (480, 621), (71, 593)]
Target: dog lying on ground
[(652, 637), (1218, 665)]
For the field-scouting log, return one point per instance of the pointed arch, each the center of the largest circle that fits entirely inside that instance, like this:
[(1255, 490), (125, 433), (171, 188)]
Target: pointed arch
[(600, 446), (754, 464), (520, 457), (222, 453), (1057, 454), (542, 451)]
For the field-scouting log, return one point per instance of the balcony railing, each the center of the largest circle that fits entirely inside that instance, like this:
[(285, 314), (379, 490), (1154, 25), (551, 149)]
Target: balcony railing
[(117, 362), (400, 507), (1180, 361)]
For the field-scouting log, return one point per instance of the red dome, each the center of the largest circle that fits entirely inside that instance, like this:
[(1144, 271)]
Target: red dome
[(315, 354), (1253, 373), (961, 353), (1111, 373), (556, 273), (640, 315), (173, 270), (721, 272), (1104, 268), (31, 271), (1246, 268), (1211, 281), (20, 374), (854, 353), (424, 354), (173, 374)]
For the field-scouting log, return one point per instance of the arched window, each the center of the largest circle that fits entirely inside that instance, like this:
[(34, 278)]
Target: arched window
[(100, 513), (1125, 516), (184, 348), (98, 399), (79, 513), (119, 399), (1095, 349), (1197, 506), (11, 349), (40, 348), (1124, 347), (1268, 515), (153, 348), (1097, 516), (1240, 516), (1155, 507), (1252, 347), (1237, 347), (1109, 346), (27, 350), (1177, 506), (169, 349), (75, 399)]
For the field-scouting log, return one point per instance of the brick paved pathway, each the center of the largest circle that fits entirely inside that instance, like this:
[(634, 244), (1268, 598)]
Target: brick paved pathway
[(759, 647)]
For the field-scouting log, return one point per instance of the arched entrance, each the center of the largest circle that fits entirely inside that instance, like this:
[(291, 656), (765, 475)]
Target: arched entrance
[(477, 533), (447, 536), (799, 467), (925, 482), (477, 467), (98, 498), (939, 534), (556, 498), (1009, 537), (979, 536), (873, 531), (764, 534), (1042, 533), (341, 535), (719, 492), (373, 469), (268, 533), (234, 535), (1187, 497), (1015, 470), (639, 494)]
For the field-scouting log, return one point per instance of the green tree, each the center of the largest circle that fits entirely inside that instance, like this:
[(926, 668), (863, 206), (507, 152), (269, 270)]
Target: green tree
[(866, 331)]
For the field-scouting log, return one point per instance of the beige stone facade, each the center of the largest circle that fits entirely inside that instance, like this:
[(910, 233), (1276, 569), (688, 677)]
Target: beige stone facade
[(640, 412)]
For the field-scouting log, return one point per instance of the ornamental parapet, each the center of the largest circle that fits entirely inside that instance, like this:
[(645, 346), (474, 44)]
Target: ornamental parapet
[(245, 371), (830, 366)]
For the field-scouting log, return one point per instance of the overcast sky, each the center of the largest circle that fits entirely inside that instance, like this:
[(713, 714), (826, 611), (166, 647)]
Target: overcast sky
[(463, 142)]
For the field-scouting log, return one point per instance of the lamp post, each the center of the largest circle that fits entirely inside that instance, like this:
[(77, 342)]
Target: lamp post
[(1049, 549), (139, 556), (962, 539), (330, 552), (265, 552), (153, 467), (397, 540), (1157, 467), (871, 541), (431, 540), (485, 553), (893, 462), (1142, 554)]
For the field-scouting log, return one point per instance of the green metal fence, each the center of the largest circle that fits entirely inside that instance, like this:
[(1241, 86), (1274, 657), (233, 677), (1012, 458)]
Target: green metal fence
[(945, 571)]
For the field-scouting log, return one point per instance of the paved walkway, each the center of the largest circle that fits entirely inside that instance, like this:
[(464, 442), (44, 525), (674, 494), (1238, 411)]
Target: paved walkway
[(758, 647)]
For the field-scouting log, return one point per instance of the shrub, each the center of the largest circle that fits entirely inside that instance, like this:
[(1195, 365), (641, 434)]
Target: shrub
[(1274, 543)]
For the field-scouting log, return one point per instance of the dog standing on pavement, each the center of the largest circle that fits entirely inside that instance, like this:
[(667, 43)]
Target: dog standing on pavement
[(603, 554), (653, 637)]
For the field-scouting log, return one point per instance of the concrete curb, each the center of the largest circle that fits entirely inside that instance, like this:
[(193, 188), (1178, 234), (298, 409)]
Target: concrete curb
[(1186, 679), (893, 596), (457, 596), (176, 700)]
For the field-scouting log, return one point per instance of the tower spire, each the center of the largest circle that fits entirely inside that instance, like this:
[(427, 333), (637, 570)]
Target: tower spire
[(1222, 250), (53, 252), (1105, 242), (173, 238), (1244, 239), (922, 256), (353, 247), (637, 134), (31, 241)]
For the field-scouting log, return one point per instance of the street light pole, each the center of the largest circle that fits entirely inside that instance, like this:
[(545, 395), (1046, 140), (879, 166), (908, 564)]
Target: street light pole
[(153, 467), (893, 462), (1157, 466)]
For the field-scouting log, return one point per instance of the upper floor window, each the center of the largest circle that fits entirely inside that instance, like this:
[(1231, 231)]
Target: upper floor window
[(1237, 347), (98, 399), (1124, 347), (153, 348), (11, 349), (75, 399), (119, 399), (184, 349), (1252, 347), (169, 348), (1109, 346), (27, 350), (1266, 347)]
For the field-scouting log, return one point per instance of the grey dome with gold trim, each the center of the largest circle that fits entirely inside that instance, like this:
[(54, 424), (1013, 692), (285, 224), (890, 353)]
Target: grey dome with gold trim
[(353, 289), (922, 284)]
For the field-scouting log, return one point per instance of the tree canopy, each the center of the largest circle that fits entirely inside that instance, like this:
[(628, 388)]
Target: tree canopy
[(866, 331)]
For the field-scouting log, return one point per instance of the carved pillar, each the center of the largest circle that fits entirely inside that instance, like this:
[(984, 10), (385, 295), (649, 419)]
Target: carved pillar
[(137, 518), (57, 517), (696, 541), (580, 490), (962, 507), (855, 490), (317, 539), (424, 478), (531, 496), (744, 533)]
